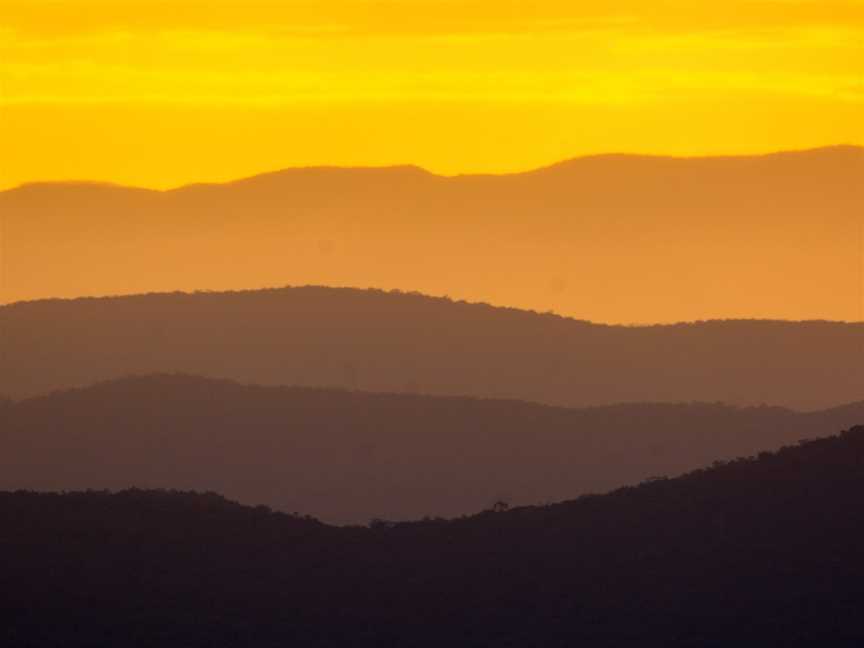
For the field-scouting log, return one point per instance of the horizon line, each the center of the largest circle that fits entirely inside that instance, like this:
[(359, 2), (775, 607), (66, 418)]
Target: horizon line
[(419, 168)]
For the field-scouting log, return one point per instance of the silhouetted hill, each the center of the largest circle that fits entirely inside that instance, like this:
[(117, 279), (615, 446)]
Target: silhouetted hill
[(348, 457), (753, 553), (387, 342), (614, 238)]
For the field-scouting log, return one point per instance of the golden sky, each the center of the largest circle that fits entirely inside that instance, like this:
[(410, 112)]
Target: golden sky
[(159, 93)]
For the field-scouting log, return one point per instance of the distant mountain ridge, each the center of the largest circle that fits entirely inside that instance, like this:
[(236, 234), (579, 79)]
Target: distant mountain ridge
[(830, 151), (348, 456), (397, 342), (750, 553), (615, 238)]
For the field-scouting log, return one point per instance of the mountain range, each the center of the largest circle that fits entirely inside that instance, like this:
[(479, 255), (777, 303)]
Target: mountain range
[(347, 457), (611, 238), (396, 342), (751, 553), (373, 454)]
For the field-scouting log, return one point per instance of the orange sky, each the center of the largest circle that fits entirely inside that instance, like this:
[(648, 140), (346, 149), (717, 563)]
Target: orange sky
[(164, 93)]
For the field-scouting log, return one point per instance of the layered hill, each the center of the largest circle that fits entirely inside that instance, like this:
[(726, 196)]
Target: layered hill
[(348, 457), (388, 342), (613, 238), (751, 553)]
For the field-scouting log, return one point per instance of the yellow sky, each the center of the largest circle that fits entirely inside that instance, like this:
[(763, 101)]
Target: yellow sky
[(164, 93)]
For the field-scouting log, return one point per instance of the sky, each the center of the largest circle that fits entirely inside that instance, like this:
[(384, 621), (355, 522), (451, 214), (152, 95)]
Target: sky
[(161, 94)]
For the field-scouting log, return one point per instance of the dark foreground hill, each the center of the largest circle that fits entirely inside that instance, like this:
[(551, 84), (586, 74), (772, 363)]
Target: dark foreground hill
[(754, 553), (612, 238), (396, 342), (347, 457)]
